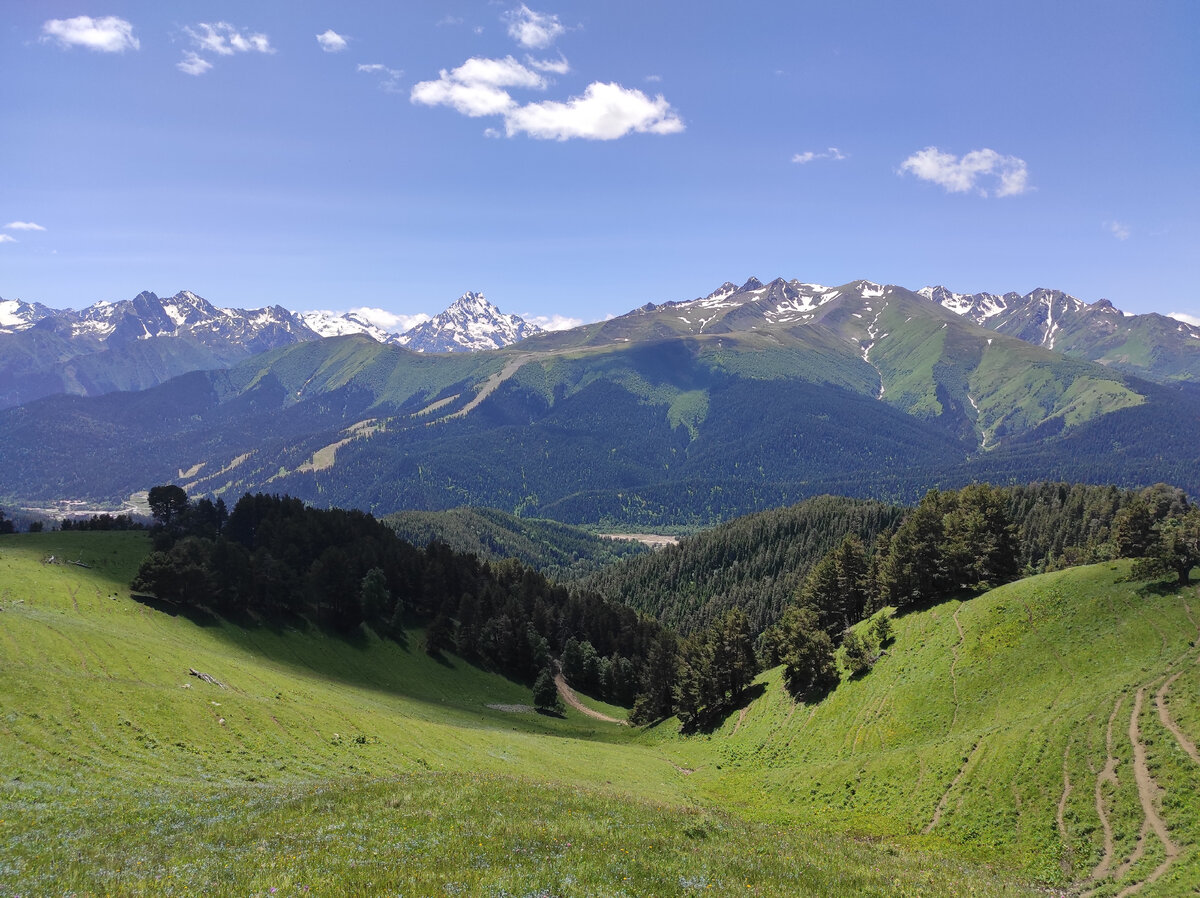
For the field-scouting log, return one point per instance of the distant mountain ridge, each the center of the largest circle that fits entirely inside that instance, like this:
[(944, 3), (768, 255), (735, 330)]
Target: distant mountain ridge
[(139, 343), (675, 414)]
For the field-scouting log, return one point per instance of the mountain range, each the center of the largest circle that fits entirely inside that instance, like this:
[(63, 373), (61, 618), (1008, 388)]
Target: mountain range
[(684, 412), (142, 342)]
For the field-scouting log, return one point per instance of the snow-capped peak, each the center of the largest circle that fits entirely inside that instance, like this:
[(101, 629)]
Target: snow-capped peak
[(16, 315), (470, 324)]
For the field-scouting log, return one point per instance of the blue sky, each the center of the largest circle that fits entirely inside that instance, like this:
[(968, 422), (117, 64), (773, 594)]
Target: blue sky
[(580, 160)]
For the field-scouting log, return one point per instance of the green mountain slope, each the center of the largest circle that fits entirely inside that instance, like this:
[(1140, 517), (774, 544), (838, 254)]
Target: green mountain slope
[(997, 724), (678, 414), (317, 765)]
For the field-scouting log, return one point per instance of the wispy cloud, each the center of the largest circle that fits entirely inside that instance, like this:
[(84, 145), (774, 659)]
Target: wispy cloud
[(107, 35), (390, 80), (1193, 320), (558, 66), (476, 87), (533, 30), (225, 40), (831, 153), (332, 42), (1003, 175), (554, 322), (1118, 230), (23, 226), (449, 20), (654, 79), (7, 238), (603, 112), (193, 64)]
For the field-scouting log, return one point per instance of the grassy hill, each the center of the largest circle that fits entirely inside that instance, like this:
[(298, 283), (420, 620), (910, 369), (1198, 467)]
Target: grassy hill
[(1000, 739), (341, 767), (1014, 725)]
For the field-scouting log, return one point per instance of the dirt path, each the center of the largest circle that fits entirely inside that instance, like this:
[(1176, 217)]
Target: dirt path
[(569, 696), (741, 719), (1107, 775), (1148, 792), (1061, 815), (962, 771), (954, 663), (1160, 702)]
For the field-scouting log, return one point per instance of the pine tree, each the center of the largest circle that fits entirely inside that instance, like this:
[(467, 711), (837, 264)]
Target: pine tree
[(545, 693)]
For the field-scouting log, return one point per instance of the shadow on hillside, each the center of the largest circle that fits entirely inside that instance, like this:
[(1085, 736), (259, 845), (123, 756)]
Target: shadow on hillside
[(1160, 588), (964, 595), (201, 617), (706, 724)]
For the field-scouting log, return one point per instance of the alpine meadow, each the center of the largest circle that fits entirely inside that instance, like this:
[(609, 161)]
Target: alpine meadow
[(624, 573)]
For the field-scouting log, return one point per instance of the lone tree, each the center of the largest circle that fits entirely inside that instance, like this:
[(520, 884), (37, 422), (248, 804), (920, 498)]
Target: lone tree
[(545, 693)]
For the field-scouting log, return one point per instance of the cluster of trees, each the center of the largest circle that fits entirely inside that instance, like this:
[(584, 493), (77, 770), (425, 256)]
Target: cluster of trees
[(102, 522), (6, 526), (715, 667), (274, 556)]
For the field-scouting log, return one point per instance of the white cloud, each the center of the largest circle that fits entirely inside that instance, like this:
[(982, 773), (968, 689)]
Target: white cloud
[(332, 42), (475, 88), (654, 79), (390, 321), (1008, 174), (1193, 320), (391, 77), (23, 226), (1118, 230), (831, 153), (193, 64), (107, 35), (558, 66), (603, 112), (533, 30), (225, 40), (7, 238), (553, 322)]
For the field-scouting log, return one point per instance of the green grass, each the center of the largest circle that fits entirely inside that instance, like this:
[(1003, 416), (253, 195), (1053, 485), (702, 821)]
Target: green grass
[(355, 766), (1039, 668), (351, 767)]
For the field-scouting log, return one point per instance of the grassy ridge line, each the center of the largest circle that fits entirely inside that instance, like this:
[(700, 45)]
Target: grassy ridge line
[(118, 780), (1039, 667)]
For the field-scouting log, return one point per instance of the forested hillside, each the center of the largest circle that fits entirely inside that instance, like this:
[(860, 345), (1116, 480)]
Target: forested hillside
[(758, 562), (273, 556), (560, 551), (755, 563)]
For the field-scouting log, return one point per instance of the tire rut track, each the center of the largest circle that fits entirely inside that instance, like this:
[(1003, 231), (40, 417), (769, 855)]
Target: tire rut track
[(1107, 775), (1066, 863), (945, 799), (1150, 795), (954, 663), (1164, 716)]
